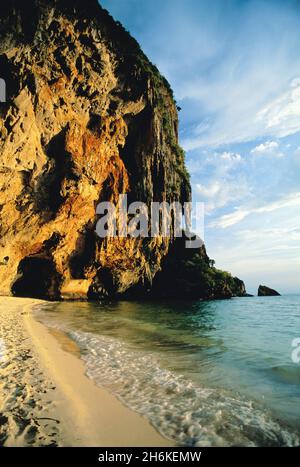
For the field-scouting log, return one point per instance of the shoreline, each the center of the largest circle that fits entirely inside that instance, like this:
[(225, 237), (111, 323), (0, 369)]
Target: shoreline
[(65, 408)]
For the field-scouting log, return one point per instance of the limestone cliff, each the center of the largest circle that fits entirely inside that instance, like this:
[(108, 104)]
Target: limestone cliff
[(87, 117)]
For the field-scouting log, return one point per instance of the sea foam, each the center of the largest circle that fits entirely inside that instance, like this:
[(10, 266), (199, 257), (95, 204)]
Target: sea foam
[(180, 410)]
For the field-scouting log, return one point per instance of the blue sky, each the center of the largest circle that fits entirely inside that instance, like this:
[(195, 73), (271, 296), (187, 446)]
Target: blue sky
[(235, 70)]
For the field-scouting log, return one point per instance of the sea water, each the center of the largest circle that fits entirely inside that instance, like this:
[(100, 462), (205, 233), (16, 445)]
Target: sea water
[(216, 373)]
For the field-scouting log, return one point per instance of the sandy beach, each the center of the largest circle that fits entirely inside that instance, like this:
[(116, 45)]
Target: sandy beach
[(45, 397)]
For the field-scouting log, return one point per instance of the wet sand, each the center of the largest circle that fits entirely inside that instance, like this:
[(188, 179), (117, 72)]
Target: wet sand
[(45, 397)]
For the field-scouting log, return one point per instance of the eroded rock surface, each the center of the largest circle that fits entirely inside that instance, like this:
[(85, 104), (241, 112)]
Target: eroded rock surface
[(87, 117)]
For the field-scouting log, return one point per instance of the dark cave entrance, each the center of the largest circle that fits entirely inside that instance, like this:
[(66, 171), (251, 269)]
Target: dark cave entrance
[(84, 255), (37, 278)]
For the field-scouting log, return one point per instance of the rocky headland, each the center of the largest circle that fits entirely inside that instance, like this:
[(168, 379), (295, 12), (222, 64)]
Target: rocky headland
[(87, 118)]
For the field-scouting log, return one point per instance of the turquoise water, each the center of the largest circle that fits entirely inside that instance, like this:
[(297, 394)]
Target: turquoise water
[(203, 373)]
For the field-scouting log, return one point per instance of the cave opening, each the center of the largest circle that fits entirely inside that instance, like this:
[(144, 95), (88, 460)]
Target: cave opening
[(37, 278), (84, 255)]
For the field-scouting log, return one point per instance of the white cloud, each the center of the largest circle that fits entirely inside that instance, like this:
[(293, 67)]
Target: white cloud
[(223, 162), (228, 220), (267, 147), (208, 191), (220, 187), (220, 193), (265, 250), (282, 115), (231, 156), (269, 235), (238, 118)]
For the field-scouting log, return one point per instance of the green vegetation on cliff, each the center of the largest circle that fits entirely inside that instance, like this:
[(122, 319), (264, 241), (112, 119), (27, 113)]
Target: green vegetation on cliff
[(189, 273), (88, 117)]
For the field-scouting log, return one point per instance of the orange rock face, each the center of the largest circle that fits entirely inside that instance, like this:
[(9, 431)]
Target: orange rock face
[(87, 118)]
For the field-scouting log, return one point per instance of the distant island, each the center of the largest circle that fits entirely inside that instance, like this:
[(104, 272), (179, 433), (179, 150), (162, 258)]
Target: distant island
[(264, 291)]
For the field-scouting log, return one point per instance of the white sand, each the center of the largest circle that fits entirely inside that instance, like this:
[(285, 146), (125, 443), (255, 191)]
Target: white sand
[(45, 397)]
